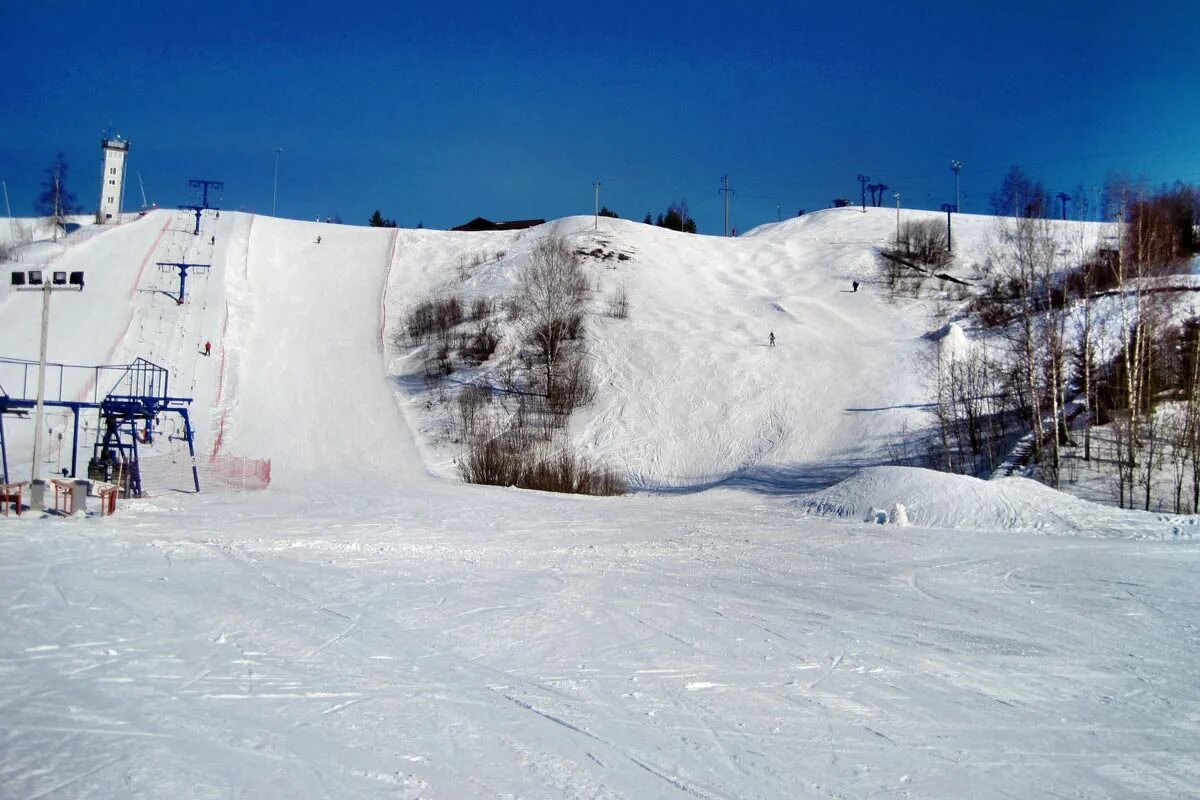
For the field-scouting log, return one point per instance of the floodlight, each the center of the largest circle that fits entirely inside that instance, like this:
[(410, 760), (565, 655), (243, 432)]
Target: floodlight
[(35, 277), (60, 278), (18, 278), (77, 279)]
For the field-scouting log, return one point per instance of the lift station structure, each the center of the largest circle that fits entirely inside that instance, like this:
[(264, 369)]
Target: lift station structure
[(126, 413)]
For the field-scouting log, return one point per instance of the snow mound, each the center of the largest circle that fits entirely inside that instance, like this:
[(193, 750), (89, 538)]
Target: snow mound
[(931, 499), (953, 343)]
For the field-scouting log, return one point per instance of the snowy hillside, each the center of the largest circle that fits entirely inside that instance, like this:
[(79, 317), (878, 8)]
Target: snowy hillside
[(691, 395), (368, 626)]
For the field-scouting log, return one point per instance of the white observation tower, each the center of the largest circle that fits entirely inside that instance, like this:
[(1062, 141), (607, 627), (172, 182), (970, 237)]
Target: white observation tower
[(112, 179)]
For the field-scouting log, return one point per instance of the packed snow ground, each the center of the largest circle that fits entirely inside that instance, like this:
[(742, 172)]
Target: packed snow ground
[(363, 629)]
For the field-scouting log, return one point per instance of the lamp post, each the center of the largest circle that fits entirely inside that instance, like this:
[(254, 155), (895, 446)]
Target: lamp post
[(955, 166), (35, 280), (596, 219), (897, 196), (275, 185), (8, 209)]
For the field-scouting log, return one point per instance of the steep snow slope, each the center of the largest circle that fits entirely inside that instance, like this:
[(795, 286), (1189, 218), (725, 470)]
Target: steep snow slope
[(308, 387), (690, 394)]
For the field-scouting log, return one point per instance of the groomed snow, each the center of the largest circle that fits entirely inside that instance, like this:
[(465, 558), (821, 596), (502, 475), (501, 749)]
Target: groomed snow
[(364, 629)]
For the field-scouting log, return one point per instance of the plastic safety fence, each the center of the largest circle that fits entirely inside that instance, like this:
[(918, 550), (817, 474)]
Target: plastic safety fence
[(163, 474)]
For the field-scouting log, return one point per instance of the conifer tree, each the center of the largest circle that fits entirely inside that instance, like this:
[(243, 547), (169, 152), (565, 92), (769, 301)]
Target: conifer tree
[(56, 200), (377, 220)]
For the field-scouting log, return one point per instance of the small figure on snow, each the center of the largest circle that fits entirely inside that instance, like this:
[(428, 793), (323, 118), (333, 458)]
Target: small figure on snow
[(208, 348), (771, 339), (855, 285), (318, 240), (213, 240)]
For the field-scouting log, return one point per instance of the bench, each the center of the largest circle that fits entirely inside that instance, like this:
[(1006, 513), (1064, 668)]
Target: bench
[(10, 494)]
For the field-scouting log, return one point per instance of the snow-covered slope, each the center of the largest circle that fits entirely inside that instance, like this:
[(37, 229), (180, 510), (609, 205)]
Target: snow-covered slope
[(363, 629), (690, 394)]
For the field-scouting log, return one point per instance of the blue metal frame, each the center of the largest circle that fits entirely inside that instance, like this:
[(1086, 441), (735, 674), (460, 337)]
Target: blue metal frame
[(141, 392), (183, 272), (198, 211), (195, 183)]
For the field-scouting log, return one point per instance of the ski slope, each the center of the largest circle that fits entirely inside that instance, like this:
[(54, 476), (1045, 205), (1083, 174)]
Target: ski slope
[(367, 627)]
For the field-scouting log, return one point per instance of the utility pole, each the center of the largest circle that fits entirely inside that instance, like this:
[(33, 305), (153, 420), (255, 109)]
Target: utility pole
[(862, 179), (57, 203), (596, 186), (897, 196), (955, 166), (1064, 198), (275, 186), (948, 208), (779, 212), (726, 191)]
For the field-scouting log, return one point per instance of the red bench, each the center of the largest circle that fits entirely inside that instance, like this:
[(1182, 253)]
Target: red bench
[(10, 494)]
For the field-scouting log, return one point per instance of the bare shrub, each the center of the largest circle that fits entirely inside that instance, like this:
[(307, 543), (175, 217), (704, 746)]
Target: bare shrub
[(479, 345), (482, 307), (571, 474), (574, 386), (618, 304), (1098, 272), (493, 460), (469, 408), (923, 242), (433, 318), (510, 459), (437, 362)]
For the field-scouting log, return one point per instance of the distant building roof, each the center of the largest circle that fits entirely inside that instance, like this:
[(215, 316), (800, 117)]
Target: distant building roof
[(481, 224)]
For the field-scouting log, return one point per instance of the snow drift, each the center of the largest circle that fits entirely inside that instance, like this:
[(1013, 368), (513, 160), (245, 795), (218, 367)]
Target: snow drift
[(934, 499)]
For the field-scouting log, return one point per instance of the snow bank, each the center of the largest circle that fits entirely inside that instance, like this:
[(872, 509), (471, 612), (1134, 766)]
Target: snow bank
[(932, 499)]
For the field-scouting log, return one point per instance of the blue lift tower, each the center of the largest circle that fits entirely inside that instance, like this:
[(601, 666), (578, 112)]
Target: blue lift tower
[(204, 186), (183, 273), (198, 210)]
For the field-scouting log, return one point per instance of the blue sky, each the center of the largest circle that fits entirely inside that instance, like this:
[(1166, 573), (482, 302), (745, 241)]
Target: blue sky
[(438, 113)]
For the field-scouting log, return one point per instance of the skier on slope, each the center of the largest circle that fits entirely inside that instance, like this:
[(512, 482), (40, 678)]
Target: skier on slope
[(771, 339), (208, 348)]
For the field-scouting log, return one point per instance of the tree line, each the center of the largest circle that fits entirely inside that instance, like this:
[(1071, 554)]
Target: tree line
[(1092, 356)]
